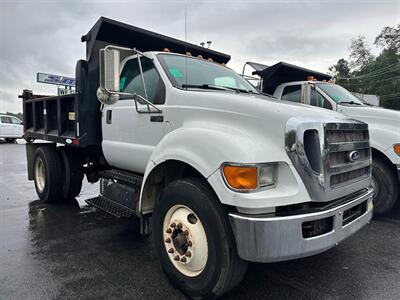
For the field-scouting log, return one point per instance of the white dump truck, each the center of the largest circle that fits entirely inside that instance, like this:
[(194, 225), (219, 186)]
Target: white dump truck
[(289, 82), (218, 173)]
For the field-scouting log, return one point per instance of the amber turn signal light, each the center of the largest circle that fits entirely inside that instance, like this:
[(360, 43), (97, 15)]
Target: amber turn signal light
[(241, 177), (396, 148)]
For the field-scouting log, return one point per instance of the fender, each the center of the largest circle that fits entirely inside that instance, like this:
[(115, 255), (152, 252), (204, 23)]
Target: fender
[(205, 149), (379, 137)]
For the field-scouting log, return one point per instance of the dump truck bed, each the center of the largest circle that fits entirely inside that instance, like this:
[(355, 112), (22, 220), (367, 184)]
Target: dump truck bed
[(58, 119)]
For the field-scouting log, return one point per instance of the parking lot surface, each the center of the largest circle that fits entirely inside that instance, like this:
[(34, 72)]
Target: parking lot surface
[(73, 251)]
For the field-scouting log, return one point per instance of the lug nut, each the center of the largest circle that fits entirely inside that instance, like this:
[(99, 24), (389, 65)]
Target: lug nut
[(183, 259), (190, 243), (179, 225), (176, 257), (186, 232), (188, 254), (173, 225), (171, 250), (169, 230), (168, 240)]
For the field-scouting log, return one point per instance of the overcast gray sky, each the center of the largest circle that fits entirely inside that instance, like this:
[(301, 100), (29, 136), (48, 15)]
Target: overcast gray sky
[(44, 36)]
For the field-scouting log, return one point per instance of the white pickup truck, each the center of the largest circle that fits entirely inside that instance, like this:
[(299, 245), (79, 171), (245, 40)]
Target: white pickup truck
[(11, 128), (282, 80), (218, 173)]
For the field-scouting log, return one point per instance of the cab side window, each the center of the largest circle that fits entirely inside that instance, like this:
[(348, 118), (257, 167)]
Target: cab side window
[(15, 120), (131, 80), (6, 120), (292, 93), (316, 99)]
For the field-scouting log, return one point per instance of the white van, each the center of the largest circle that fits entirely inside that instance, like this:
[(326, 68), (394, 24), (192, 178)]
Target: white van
[(11, 128)]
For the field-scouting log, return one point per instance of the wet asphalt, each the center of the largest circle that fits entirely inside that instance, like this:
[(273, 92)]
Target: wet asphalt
[(75, 252)]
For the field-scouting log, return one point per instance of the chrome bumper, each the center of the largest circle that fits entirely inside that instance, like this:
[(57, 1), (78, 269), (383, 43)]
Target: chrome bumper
[(275, 238)]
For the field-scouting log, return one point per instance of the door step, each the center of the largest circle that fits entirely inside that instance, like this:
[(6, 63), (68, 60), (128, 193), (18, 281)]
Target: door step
[(122, 176), (111, 207)]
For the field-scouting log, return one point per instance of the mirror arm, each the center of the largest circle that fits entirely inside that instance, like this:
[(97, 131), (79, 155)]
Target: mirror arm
[(143, 82), (137, 97)]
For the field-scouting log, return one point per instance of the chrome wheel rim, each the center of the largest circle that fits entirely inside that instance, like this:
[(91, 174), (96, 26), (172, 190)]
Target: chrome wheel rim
[(185, 240), (40, 174)]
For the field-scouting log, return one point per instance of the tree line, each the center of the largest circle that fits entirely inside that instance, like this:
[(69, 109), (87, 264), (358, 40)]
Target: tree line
[(366, 73)]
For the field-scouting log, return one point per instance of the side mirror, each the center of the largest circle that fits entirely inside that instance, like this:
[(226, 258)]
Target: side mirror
[(109, 76)]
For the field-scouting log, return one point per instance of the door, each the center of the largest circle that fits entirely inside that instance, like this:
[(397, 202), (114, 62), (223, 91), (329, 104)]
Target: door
[(317, 99), (130, 137), (6, 127)]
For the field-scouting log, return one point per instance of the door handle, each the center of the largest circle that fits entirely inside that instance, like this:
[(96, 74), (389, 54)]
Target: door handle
[(108, 116), (157, 119)]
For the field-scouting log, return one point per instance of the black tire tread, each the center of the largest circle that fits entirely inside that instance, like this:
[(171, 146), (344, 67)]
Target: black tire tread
[(236, 266), (73, 177), (53, 165), (391, 185)]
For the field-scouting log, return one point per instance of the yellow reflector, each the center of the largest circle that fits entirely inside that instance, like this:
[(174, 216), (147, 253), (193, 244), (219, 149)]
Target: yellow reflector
[(239, 177), (396, 149)]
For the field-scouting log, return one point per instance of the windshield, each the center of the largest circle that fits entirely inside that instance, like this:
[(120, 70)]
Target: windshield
[(190, 72), (339, 94)]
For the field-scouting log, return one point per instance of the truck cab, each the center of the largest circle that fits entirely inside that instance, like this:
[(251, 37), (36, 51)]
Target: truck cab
[(217, 172), (296, 84)]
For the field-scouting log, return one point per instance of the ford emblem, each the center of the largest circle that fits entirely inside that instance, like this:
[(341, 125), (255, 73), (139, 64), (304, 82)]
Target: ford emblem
[(353, 156)]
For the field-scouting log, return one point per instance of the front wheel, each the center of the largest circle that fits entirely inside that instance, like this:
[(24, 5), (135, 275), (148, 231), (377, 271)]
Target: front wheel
[(194, 240), (386, 186)]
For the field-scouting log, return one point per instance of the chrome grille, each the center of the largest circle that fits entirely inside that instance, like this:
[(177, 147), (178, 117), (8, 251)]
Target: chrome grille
[(324, 151), (341, 140)]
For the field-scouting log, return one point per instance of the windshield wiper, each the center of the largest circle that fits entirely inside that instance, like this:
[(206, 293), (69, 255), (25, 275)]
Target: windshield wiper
[(349, 102), (218, 87), (205, 86)]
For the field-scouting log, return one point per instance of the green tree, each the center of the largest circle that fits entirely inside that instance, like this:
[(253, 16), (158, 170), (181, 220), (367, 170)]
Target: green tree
[(360, 53), (340, 70), (376, 75), (389, 38)]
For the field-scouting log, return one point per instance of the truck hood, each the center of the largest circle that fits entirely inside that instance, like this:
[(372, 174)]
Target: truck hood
[(383, 124), (258, 106), (374, 116)]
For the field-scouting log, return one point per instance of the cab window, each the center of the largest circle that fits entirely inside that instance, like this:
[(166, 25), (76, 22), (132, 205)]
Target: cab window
[(5, 120), (316, 99), (292, 93), (15, 120), (131, 80)]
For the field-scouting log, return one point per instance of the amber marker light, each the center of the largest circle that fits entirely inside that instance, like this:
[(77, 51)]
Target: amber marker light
[(396, 148), (241, 177)]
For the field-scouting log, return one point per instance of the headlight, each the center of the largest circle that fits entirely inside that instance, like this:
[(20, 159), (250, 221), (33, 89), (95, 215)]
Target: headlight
[(249, 177), (396, 148)]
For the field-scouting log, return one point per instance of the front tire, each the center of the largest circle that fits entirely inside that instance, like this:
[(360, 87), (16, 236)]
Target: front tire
[(386, 186), (48, 176), (194, 240)]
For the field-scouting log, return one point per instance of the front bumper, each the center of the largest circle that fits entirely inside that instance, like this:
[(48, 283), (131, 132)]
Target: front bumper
[(279, 238)]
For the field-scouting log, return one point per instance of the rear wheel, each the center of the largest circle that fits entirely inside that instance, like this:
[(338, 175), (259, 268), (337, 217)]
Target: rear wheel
[(73, 175), (386, 186), (194, 240), (48, 175)]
